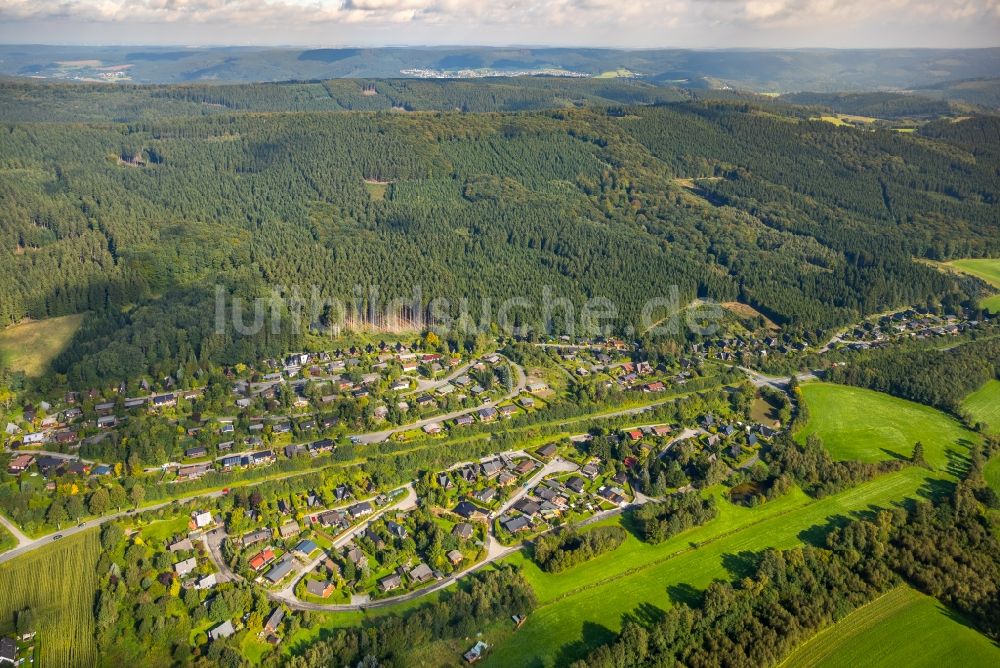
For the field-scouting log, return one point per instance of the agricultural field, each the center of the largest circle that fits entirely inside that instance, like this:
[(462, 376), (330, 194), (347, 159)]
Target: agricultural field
[(983, 405), (59, 584), (938, 637), (987, 269), (864, 425), (30, 346), (583, 606)]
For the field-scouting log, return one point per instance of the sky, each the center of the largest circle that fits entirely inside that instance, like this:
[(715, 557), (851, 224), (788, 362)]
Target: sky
[(612, 23)]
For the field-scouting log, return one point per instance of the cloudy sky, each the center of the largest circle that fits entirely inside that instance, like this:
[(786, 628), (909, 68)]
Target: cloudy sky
[(626, 23)]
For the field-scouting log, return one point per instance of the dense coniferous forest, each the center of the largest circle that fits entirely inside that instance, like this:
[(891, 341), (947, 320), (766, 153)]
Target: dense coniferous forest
[(940, 378), (569, 547), (135, 222)]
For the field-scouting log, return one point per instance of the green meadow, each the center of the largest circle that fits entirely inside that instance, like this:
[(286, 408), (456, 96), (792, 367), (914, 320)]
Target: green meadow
[(863, 425), (987, 269), (583, 606), (864, 638), (30, 346), (983, 405)]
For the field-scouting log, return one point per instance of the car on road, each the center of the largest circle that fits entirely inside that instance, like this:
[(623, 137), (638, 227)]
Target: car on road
[(57, 536)]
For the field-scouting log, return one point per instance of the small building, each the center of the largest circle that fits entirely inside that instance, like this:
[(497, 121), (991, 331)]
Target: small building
[(8, 651), (203, 519), (274, 621), (319, 589), (305, 548), (421, 573), (223, 630), (547, 450), (20, 464), (463, 530), (181, 545), (476, 653), (289, 529), (455, 557), (207, 582), (184, 567), (469, 511), (280, 569), (256, 537), (261, 559)]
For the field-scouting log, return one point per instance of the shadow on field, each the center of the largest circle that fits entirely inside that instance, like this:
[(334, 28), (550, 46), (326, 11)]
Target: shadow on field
[(935, 489), (741, 565), (682, 592), (646, 614), (593, 636)]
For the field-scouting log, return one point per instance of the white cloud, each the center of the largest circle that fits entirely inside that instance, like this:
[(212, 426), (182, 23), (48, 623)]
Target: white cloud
[(621, 22)]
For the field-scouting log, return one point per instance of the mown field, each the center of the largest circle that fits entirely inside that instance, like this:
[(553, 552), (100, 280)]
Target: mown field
[(902, 628), (987, 269), (983, 405), (59, 584), (583, 606), (30, 346), (864, 425)]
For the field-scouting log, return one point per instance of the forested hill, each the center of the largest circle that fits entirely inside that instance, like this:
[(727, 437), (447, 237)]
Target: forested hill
[(66, 102), (811, 223)]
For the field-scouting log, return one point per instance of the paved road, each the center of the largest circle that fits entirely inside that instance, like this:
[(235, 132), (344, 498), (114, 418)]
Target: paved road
[(779, 383), (407, 502), (11, 527), (94, 523), (425, 385)]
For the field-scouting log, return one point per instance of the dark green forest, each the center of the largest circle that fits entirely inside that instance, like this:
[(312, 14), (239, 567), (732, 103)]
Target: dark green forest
[(137, 222)]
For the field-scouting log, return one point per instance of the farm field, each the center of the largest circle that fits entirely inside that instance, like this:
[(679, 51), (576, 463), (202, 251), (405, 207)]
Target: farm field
[(860, 638), (583, 606), (864, 425), (30, 346), (983, 405), (59, 584), (987, 269)]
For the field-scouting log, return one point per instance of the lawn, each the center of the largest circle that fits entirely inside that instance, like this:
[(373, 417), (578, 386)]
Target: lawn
[(992, 473), (860, 424), (584, 606), (30, 346), (987, 269), (376, 189), (983, 405), (926, 633), (59, 584)]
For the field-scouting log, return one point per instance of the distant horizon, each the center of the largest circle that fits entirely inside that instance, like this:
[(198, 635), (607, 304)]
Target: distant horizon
[(638, 24), (472, 45)]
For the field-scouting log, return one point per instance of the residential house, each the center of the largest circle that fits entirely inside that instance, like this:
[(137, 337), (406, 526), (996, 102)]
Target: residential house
[(202, 519), (517, 524), (421, 573), (289, 529), (256, 537), (261, 559), (469, 511), (576, 484), (319, 589), (207, 582), (390, 582), (547, 450), (184, 567), (360, 509), (305, 548), (223, 630), (180, 545), (274, 621), (282, 568), (20, 464), (485, 495), (455, 557), (356, 556), (463, 530)]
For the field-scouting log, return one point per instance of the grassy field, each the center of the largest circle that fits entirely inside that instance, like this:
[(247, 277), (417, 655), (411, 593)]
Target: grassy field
[(987, 269), (59, 584), (583, 606), (30, 346), (860, 424), (983, 405), (376, 189), (992, 473), (928, 635)]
